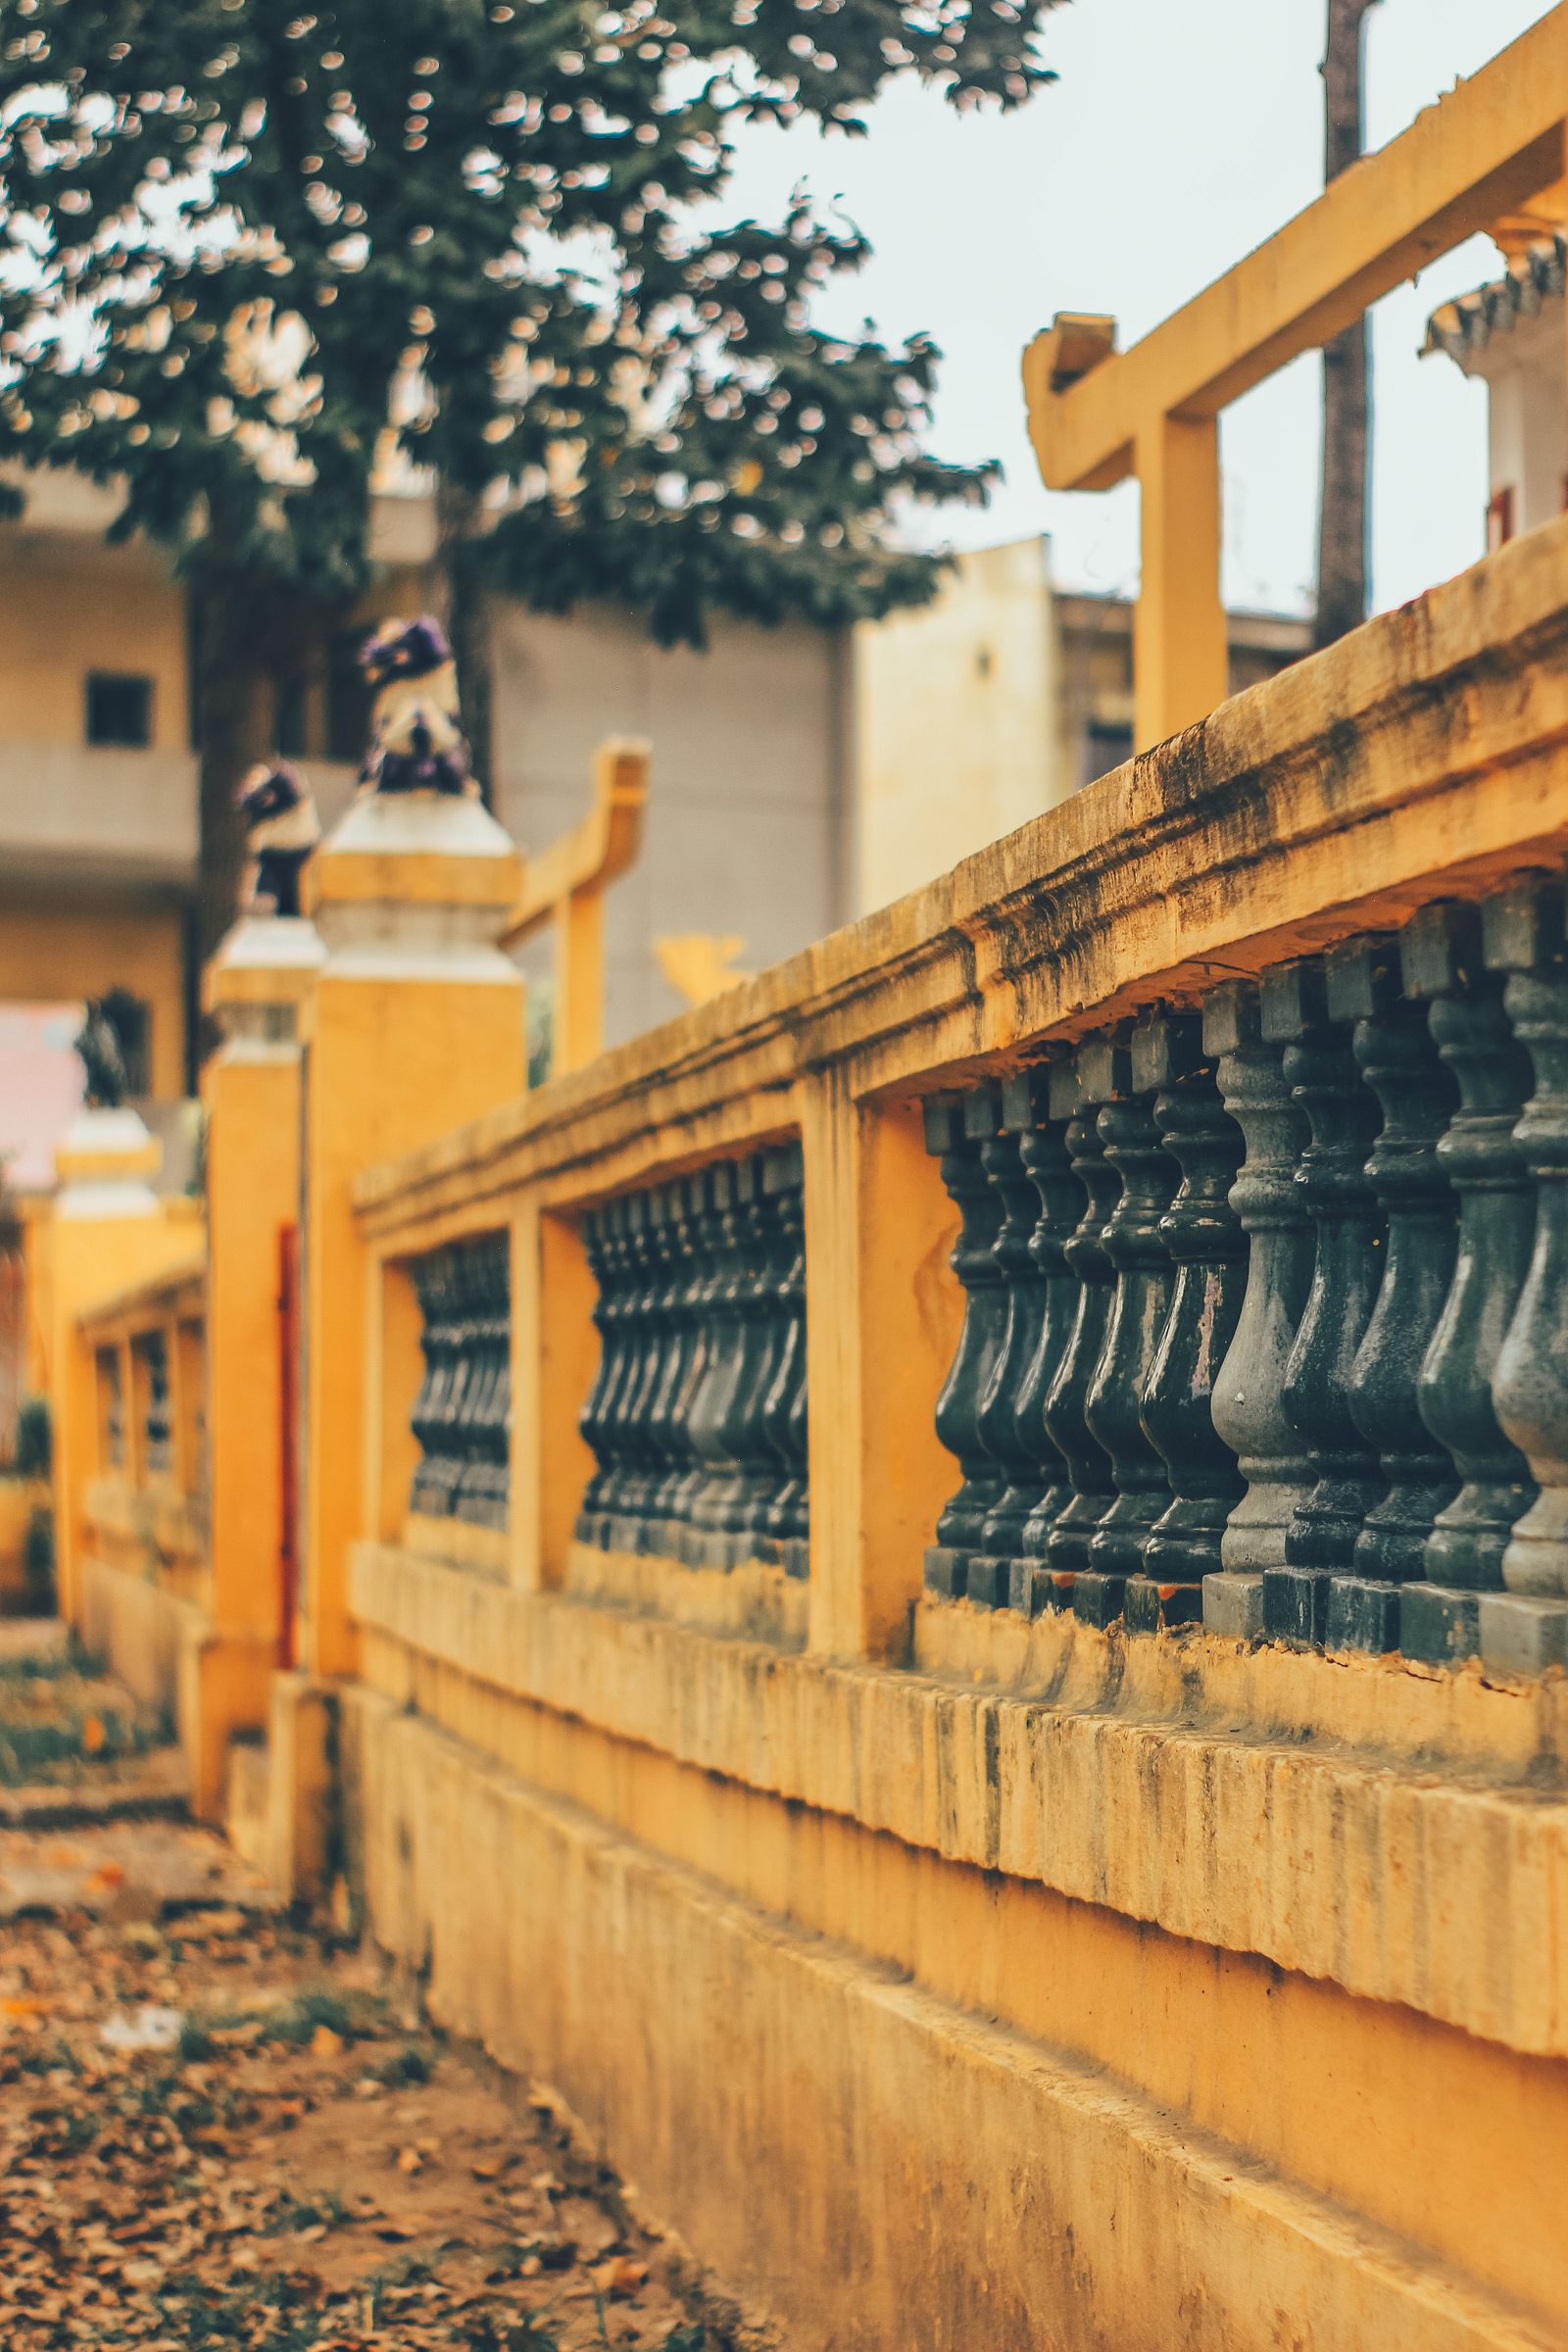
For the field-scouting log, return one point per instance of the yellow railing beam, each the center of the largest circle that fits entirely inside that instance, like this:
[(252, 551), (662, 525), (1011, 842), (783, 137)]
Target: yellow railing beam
[(566, 884), (1477, 158)]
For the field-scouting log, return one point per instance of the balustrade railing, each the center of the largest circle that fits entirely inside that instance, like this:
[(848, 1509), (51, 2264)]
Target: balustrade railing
[(462, 1414), (1266, 1304), (696, 1420), (150, 1356)]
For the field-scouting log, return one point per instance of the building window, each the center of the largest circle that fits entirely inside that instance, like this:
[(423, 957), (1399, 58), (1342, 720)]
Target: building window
[(120, 710), (289, 725), (1105, 746)]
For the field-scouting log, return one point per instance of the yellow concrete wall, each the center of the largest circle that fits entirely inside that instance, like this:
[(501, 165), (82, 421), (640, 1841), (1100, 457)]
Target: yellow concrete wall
[(748, 1913), (56, 950)]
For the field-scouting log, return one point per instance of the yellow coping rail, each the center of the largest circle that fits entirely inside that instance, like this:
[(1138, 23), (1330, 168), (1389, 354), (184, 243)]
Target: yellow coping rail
[(1420, 758), (1489, 150)]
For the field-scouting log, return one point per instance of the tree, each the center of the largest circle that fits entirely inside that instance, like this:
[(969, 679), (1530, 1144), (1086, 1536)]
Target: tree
[(1342, 528), (254, 260)]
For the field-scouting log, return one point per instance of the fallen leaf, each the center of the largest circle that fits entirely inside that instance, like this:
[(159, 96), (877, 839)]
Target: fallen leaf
[(409, 2160), (92, 1735), (325, 2044)]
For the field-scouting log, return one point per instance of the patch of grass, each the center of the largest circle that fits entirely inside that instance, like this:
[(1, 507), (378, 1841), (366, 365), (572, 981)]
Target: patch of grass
[(289, 2212), (52, 1665), (209, 2317), (411, 2064)]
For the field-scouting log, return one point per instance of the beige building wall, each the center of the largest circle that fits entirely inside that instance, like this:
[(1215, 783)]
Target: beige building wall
[(744, 831), (955, 722), (746, 826)]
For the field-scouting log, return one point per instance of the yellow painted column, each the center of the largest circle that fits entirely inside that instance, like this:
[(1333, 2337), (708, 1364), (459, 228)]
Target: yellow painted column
[(108, 1233), (883, 1315), (1180, 671), (254, 987), (579, 980), (414, 1027)]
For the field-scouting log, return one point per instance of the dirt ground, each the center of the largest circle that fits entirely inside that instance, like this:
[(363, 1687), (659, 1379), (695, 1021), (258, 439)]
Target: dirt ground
[(218, 2130)]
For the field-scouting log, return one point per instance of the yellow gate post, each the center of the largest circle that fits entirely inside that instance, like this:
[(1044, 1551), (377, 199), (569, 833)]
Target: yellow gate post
[(108, 1232), (255, 986), (415, 1025)]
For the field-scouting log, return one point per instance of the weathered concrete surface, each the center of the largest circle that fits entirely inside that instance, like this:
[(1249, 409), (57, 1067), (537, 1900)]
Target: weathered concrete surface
[(877, 2164), (1273, 1804)]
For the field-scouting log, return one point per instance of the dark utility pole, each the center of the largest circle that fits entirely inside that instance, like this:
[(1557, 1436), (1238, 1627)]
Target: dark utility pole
[(1341, 531)]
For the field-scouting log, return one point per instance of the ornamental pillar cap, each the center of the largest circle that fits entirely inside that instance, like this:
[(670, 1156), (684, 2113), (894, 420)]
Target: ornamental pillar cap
[(422, 880), (262, 972), (104, 1163)]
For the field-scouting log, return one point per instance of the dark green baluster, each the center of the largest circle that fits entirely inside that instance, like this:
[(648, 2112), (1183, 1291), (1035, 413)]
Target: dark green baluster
[(470, 1446), (1526, 1627), (1140, 1303), (623, 1242), (665, 1436), (438, 1471), (115, 1415), (157, 1423), (990, 1570), (785, 1525), (1208, 1250), (501, 1400), (591, 1419), (1249, 1400), (660, 1340), (491, 1481), (1395, 1051), (1089, 1479), (1440, 958), (1347, 1248), (707, 1420), (957, 1412), (425, 1273), (741, 1429), (705, 1214), (643, 1273), (1048, 1163), (696, 1239)]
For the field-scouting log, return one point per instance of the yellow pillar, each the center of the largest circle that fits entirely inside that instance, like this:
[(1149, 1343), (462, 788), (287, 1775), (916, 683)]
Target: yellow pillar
[(579, 1033), (883, 1313), (108, 1233), (255, 987), (415, 1026), (1179, 632)]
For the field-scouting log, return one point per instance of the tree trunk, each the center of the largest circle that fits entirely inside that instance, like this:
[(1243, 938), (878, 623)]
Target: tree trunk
[(235, 715), (466, 617), (1342, 538)]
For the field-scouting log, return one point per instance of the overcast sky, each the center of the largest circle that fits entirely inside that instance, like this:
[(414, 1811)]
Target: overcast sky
[(1180, 133)]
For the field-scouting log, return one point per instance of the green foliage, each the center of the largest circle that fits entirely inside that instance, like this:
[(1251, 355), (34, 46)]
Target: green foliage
[(249, 256)]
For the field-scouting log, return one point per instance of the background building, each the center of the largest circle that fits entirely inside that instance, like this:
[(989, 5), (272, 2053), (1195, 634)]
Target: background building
[(1001, 698), (801, 776), (1513, 335)]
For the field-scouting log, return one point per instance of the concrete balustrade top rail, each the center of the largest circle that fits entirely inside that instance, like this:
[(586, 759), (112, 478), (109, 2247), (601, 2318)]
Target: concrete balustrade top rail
[(177, 1296), (1423, 754)]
